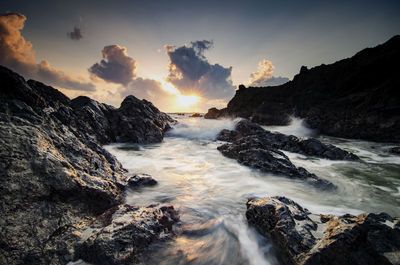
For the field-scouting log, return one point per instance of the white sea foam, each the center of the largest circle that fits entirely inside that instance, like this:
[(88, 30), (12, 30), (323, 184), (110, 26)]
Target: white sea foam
[(200, 128), (297, 127), (207, 187)]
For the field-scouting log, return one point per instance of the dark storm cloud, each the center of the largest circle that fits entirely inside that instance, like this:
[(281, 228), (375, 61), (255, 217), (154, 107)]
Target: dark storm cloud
[(76, 34), (190, 72), (117, 67), (264, 77), (17, 53)]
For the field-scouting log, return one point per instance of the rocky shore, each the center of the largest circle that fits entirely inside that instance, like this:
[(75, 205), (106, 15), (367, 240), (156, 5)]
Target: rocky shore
[(61, 192), (303, 238), (255, 147), (352, 98)]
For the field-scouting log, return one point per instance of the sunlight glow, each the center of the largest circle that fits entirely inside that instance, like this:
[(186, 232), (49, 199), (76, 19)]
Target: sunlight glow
[(186, 101), (182, 100)]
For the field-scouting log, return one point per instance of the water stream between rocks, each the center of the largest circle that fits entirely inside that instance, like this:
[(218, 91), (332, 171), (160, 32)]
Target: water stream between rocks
[(210, 191)]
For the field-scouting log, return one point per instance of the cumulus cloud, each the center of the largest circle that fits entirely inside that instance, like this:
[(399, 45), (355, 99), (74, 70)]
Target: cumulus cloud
[(149, 89), (76, 34), (17, 53), (264, 77), (116, 67), (190, 72)]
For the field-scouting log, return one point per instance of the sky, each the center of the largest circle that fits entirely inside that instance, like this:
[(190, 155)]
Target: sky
[(183, 55)]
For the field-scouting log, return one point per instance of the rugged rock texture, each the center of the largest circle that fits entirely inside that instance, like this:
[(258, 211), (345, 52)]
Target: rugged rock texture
[(354, 98), (53, 173), (120, 235), (291, 143), (250, 151), (306, 239), (255, 147)]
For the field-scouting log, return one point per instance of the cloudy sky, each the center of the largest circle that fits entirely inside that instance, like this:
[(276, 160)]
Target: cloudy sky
[(183, 55)]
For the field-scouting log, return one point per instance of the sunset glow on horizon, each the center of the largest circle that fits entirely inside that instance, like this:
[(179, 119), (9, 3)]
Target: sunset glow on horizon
[(167, 53)]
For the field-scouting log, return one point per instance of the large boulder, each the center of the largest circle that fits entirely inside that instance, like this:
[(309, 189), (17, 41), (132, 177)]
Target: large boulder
[(54, 175), (303, 238), (353, 98), (138, 121)]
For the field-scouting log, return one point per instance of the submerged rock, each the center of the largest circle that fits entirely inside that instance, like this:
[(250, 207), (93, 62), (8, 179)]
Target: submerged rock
[(54, 175), (308, 239)]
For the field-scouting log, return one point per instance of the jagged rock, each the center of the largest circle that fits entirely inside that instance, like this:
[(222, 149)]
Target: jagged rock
[(353, 98), (291, 143), (54, 175), (303, 238), (120, 235), (251, 151), (139, 121), (257, 148)]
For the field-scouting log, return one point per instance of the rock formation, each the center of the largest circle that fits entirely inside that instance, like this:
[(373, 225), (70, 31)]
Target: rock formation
[(257, 148), (57, 181), (303, 238), (353, 98)]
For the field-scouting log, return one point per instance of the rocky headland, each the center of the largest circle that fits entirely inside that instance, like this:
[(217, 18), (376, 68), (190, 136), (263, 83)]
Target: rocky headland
[(61, 193), (352, 98)]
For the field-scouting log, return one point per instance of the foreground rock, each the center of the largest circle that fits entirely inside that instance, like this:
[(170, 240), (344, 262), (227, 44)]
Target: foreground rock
[(121, 234), (307, 239), (257, 148), (54, 175), (353, 98)]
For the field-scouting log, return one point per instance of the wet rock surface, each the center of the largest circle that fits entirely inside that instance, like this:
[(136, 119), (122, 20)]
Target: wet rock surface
[(306, 146), (255, 147), (121, 234), (54, 173), (349, 98), (305, 238)]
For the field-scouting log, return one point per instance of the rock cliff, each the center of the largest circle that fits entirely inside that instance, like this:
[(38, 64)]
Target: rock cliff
[(356, 97)]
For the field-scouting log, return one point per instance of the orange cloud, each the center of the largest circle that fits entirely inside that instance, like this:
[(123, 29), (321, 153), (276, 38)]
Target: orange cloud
[(17, 53)]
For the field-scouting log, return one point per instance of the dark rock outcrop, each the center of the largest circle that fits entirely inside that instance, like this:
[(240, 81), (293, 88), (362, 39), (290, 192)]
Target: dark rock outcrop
[(291, 143), (303, 238), (353, 98), (257, 148), (54, 175), (252, 152)]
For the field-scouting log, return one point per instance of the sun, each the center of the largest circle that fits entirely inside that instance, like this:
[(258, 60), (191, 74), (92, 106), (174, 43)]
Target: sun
[(186, 101)]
